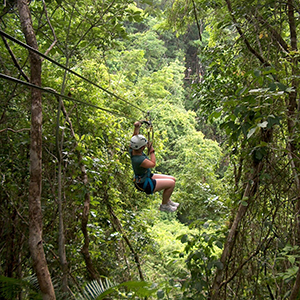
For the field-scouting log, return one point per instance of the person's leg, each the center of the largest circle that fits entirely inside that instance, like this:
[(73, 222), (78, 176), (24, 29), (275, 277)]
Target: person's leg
[(163, 176), (166, 183)]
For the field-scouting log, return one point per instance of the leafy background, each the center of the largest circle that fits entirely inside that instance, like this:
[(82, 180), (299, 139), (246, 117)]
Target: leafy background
[(222, 103)]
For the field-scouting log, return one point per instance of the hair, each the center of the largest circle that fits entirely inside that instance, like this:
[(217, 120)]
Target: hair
[(140, 149)]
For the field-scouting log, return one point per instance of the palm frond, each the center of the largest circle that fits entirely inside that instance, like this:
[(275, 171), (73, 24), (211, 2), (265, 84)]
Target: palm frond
[(11, 287), (96, 288), (103, 289)]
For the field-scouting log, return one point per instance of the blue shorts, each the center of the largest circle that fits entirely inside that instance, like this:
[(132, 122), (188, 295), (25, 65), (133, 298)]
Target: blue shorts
[(149, 189)]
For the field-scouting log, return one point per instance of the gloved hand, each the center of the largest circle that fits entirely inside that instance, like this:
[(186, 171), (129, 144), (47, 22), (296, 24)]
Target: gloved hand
[(137, 124)]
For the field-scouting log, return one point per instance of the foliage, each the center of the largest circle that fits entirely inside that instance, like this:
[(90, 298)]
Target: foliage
[(248, 87), (198, 182), (11, 287), (164, 258), (203, 250), (145, 69)]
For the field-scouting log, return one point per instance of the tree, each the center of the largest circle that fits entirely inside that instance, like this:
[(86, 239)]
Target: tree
[(35, 185)]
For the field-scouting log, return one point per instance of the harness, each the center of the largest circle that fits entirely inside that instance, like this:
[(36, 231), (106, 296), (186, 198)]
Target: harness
[(146, 179)]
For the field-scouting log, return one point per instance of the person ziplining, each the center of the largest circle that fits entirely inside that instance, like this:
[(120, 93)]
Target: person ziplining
[(144, 179)]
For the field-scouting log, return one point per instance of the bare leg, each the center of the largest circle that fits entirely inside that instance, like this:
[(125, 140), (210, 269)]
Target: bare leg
[(166, 183), (163, 176)]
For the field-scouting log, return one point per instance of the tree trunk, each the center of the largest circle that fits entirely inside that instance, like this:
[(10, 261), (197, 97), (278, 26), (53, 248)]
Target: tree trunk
[(249, 193), (61, 233), (35, 184), (86, 208)]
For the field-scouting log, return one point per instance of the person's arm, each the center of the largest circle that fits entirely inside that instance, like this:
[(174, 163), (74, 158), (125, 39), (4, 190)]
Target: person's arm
[(149, 163), (137, 126)]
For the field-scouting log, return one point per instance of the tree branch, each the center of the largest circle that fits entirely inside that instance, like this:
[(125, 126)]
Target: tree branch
[(53, 32), (280, 41), (197, 22), (238, 28), (120, 229), (258, 248), (15, 131), (292, 25)]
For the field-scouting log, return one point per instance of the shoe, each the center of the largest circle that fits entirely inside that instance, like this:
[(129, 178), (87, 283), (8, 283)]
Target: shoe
[(167, 208), (176, 204)]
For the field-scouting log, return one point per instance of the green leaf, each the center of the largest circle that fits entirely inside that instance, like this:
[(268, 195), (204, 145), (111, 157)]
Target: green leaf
[(259, 153), (219, 244), (290, 89), (215, 115), (257, 73), (272, 86), (160, 294), (281, 86), (263, 124), (251, 132), (184, 238), (237, 110), (242, 91), (245, 127), (244, 203), (272, 120), (291, 259)]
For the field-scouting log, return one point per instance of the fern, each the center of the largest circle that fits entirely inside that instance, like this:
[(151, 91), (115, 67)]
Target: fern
[(98, 290), (95, 289), (11, 287)]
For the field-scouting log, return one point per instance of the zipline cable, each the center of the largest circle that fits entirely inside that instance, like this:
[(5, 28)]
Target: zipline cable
[(156, 105), (52, 91), (65, 68)]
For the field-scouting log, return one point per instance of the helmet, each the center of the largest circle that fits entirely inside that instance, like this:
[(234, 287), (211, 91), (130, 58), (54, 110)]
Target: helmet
[(138, 141)]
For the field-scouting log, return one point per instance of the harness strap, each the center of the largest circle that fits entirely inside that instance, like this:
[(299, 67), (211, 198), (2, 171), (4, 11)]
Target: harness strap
[(148, 180)]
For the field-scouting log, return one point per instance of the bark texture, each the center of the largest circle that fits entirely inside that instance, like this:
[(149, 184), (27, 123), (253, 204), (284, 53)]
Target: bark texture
[(249, 193), (35, 184)]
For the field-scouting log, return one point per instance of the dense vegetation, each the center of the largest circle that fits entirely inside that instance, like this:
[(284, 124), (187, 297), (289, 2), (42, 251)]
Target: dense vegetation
[(219, 82)]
